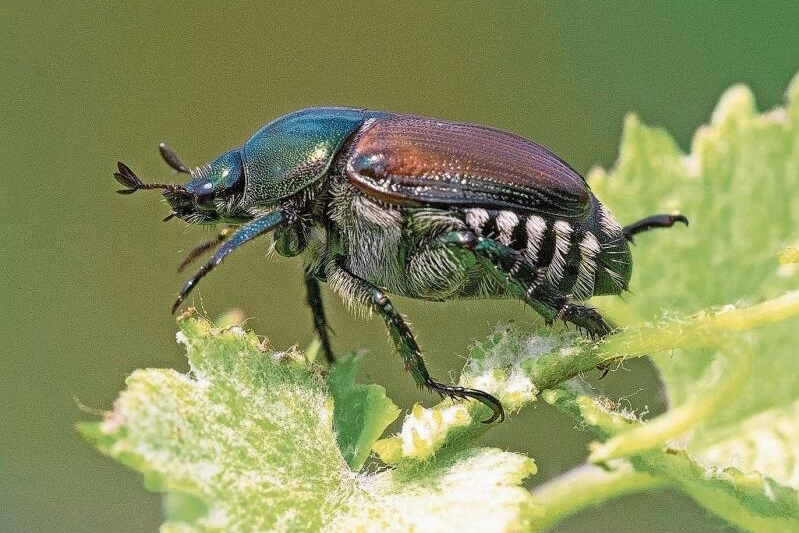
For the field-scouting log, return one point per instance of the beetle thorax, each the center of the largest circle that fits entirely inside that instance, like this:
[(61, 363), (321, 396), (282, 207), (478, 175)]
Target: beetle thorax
[(370, 234)]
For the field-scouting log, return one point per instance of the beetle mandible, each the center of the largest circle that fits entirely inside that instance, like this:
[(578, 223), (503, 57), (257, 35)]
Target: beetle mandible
[(384, 203)]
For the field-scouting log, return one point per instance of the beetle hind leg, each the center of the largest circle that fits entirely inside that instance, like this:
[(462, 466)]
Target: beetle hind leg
[(356, 290), (586, 318), (519, 278), (651, 222)]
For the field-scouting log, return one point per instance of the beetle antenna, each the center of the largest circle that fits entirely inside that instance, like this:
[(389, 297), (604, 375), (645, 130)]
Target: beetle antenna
[(648, 223), (172, 159), (129, 179)]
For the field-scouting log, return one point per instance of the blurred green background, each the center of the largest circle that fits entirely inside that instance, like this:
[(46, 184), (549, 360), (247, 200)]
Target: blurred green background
[(90, 275)]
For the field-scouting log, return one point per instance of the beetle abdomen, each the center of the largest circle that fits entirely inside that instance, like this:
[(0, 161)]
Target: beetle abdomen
[(395, 247), (581, 260)]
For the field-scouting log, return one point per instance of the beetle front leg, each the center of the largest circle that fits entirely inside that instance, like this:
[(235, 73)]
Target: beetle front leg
[(356, 290), (527, 282), (314, 297), (249, 231), (206, 246)]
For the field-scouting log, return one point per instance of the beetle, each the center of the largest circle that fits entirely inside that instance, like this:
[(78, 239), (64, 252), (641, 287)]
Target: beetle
[(383, 203)]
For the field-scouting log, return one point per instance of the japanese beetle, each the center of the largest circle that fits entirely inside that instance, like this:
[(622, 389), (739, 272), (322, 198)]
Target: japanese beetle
[(384, 203)]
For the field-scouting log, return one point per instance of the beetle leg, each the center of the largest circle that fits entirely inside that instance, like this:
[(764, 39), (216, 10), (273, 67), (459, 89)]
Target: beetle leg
[(525, 281), (314, 297), (581, 316), (254, 228), (354, 289), (648, 223), (203, 247)]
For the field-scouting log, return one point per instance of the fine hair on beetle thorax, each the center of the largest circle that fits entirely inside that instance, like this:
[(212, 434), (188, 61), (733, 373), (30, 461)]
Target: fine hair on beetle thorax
[(371, 234), (395, 247)]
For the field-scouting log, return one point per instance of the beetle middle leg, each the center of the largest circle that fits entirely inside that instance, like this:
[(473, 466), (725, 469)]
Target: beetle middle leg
[(314, 296), (525, 281), (356, 290)]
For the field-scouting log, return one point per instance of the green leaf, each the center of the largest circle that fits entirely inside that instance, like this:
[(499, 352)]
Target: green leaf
[(361, 413), (738, 427), (738, 188), (245, 442)]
